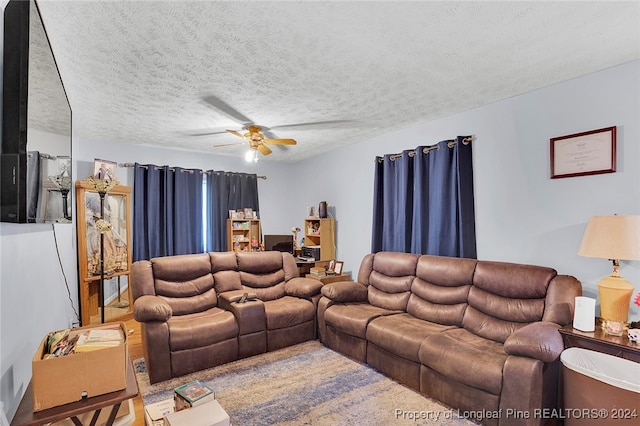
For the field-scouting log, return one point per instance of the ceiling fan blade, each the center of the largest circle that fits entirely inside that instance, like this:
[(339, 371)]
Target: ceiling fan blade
[(233, 132), (228, 144), (315, 124), (280, 141), (214, 132), (225, 109), (264, 149)]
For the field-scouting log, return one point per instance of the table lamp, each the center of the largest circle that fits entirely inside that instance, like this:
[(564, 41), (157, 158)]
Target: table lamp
[(615, 238)]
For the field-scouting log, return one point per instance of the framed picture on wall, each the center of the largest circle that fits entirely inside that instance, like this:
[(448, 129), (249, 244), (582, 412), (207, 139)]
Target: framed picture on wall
[(103, 169), (582, 154)]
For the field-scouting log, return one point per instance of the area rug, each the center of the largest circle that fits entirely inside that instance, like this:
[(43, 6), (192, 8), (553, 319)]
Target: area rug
[(306, 384)]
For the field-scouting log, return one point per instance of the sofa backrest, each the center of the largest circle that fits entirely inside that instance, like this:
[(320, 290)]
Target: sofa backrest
[(505, 297), (389, 276), (185, 282), (489, 299), (264, 273), (439, 292)]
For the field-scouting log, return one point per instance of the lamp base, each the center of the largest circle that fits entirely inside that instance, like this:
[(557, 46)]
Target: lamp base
[(615, 295), (613, 328)]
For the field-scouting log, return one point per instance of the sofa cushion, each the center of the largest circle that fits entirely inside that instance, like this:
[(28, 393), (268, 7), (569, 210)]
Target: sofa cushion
[(271, 282), (511, 280), (201, 329), (390, 280), (259, 262), (395, 264), (181, 268), (224, 281), (440, 290), (465, 358), (506, 297), (185, 282), (401, 334), (223, 261), (353, 318), (262, 272), (288, 311), (443, 305)]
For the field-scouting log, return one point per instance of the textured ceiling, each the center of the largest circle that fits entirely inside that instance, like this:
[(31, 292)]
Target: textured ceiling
[(163, 73)]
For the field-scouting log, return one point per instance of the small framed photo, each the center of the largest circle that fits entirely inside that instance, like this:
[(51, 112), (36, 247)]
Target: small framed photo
[(103, 169), (248, 214), (332, 265), (582, 154), (338, 267)]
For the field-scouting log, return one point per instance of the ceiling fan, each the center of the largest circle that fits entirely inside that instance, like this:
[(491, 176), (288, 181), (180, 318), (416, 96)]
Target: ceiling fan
[(255, 136), (257, 141)]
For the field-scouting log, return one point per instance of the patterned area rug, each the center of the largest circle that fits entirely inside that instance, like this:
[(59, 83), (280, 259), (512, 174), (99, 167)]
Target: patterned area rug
[(306, 384)]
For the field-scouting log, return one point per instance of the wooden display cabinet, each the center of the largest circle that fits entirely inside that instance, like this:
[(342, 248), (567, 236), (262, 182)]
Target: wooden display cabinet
[(117, 250), (244, 234), (322, 233)]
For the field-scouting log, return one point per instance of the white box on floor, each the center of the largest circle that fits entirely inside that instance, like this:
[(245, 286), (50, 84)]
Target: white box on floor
[(207, 414)]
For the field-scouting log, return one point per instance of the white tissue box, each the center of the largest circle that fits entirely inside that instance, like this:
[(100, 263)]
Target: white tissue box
[(207, 414)]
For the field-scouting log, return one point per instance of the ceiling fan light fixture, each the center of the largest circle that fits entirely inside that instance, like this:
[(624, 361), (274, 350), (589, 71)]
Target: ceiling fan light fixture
[(251, 156)]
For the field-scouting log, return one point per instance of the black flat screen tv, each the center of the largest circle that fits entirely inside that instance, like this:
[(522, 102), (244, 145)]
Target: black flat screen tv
[(279, 243)]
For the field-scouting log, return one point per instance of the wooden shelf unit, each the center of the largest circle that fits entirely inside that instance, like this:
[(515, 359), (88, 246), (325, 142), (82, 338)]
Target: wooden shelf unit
[(321, 232), (243, 235), (118, 252)]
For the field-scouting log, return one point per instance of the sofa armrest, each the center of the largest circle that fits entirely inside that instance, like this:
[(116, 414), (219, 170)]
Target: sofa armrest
[(345, 291), (539, 340), (302, 287), (151, 308)]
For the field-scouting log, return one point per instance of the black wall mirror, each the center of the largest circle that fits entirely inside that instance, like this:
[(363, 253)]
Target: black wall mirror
[(35, 173)]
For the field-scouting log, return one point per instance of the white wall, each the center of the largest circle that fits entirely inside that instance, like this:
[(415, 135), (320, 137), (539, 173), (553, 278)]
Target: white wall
[(521, 214)]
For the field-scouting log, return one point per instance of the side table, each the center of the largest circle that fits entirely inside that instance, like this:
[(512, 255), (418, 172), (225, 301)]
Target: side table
[(331, 278), (599, 341), (25, 416)]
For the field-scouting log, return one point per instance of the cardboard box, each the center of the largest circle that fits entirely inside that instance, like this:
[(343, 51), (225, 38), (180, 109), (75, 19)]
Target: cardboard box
[(155, 413), (65, 379), (207, 414)]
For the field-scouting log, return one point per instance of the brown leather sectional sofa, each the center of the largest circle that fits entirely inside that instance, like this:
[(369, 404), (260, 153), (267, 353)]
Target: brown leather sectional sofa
[(191, 316), (479, 336)]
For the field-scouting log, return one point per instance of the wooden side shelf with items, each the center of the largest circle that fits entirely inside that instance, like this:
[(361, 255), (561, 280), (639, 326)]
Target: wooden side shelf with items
[(244, 234), (117, 247), (321, 233)]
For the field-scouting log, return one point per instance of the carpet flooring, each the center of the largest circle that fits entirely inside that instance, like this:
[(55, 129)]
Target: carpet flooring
[(307, 384)]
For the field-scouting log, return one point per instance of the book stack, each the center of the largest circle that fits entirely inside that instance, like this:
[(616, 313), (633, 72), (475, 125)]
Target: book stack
[(192, 394), (99, 338), (318, 272)]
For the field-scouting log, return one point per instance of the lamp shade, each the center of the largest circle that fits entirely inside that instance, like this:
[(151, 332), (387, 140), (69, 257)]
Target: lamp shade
[(612, 237)]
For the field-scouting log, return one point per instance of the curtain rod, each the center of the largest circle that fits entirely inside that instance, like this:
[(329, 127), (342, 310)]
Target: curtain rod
[(450, 143), (172, 169), (47, 156)]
